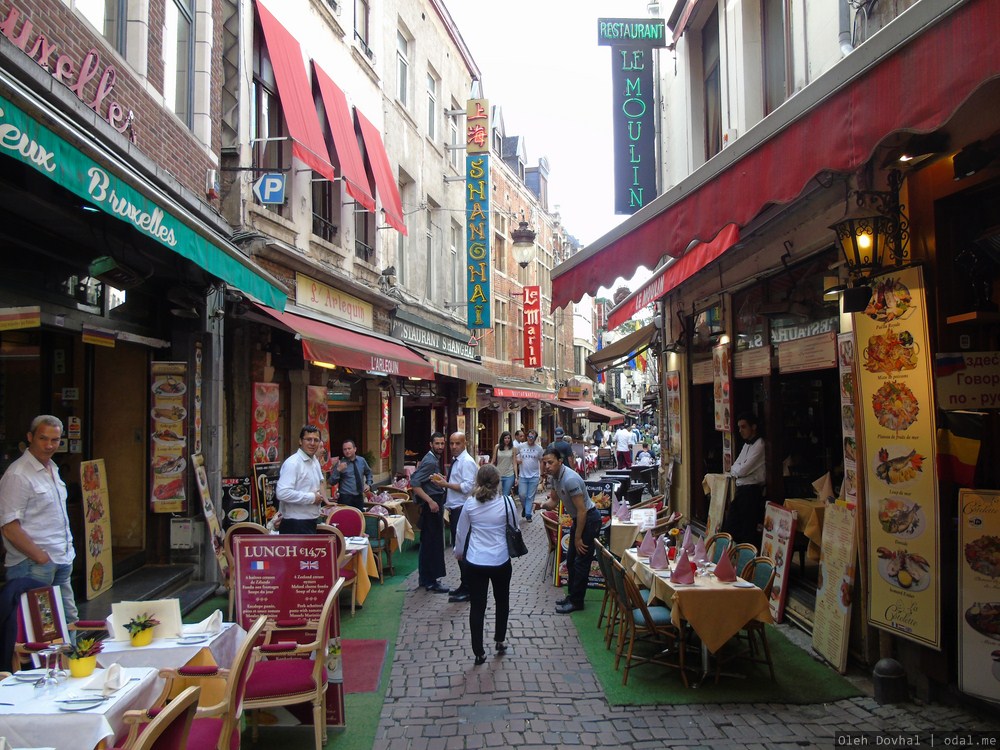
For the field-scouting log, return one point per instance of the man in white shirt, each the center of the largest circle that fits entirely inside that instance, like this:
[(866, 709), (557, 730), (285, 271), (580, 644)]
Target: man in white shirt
[(623, 442), (746, 511), (300, 486), (33, 517), (529, 461), (461, 478)]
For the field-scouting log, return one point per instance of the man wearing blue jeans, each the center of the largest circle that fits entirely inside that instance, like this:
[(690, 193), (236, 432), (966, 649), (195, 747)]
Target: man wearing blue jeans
[(33, 519), (529, 461)]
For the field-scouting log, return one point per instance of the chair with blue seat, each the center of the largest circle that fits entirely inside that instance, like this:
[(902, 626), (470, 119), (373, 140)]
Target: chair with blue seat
[(717, 545), (380, 538), (608, 605), (760, 572), (649, 622), (741, 554)]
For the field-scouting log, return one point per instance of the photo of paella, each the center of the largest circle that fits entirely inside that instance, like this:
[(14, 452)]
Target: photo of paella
[(892, 352), (895, 406)]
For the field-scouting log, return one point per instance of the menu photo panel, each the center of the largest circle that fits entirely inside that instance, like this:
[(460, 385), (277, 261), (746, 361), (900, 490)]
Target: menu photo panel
[(168, 443)]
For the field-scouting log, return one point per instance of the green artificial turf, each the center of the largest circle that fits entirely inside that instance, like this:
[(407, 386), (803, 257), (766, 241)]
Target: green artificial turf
[(799, 678)]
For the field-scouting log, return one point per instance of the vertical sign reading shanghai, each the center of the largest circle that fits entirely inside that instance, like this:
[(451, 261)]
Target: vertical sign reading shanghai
[(897, 421), (477, 213), (632, 42), (532, 327)]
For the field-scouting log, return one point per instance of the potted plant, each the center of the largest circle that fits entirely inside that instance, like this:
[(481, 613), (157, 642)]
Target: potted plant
[(140, 629), (82, 656)]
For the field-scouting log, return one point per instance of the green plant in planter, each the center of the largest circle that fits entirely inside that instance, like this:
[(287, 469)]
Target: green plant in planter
[(84, 647), (140, 623)]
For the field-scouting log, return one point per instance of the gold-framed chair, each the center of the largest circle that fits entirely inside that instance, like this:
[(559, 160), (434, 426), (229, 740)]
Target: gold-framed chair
[(41, 624), (717, 545), (244, 527), (550, 520), (349, 576), (348, 519), (741, 554), (168, 729), (760, 572)]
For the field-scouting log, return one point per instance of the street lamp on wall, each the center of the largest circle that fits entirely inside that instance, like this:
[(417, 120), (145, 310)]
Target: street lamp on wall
[(524, 243), (874, 229)]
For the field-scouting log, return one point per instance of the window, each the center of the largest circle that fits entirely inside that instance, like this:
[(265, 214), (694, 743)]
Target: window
[(432, 106), (500, 328), (497, 143), (178, 58), (325, 205), (406, 189), (362, 15), (453, 126), (267, 120), (402, 69), (713, 85), (456, 263), (775, 57), (500, 242), (109, 17), (549, 344), (364, 236)]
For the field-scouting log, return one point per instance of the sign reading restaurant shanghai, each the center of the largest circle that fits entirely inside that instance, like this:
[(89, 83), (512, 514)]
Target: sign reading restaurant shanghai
[(532, 326), (477, 212), (632, 42)]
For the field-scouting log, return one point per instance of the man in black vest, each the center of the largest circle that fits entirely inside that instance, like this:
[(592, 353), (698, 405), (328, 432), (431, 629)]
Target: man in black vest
[(353, 476)]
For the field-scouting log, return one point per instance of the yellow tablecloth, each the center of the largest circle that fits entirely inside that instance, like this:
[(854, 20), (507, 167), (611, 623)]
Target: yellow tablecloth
[(810, 521), (400, 529), (363, 565), (721, 488), (716, 611), (622, 536)]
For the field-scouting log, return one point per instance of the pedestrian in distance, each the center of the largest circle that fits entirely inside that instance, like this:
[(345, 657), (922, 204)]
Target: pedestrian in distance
[(564, 446), (431, 498), (623, 440), (353, 475), (482, 545), (503, 458), (300, 486), (529, 471)]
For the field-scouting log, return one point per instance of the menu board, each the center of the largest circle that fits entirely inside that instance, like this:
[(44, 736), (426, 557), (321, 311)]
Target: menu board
[(236, 494), (318, 414), (288, 577), (385, 440), (264, 435), (265, 482), (97, 526), (722, 386), (811, 353), (702, 372), (720, 488), (897, 419), (752, 363), (835, 584), (979, 593), (168, 443), (600, 493), (211, 517), (848, 392), (776, 543), (196, 432), (674, 414)]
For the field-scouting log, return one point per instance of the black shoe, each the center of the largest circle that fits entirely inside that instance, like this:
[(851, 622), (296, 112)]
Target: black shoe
[(564, 600), (480, 660), (565, 609), (436, 588), (528, 519), (501, 647), (458, 597)]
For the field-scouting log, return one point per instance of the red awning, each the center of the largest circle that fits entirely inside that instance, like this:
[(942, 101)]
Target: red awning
[(338, 114), (521, 393), (915, 87), (326, 342), (599, 413), (295, 93), (385, 183), (674, 274)]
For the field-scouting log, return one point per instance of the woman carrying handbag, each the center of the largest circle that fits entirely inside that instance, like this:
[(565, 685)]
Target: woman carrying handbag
[(481, 541)]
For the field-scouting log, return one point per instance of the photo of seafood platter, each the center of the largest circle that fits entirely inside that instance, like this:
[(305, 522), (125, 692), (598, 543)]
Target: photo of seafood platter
[(904, 569)]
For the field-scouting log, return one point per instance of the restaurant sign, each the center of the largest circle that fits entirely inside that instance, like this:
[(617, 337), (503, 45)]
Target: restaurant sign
[(477, 213), (318, 296), (632, 42), (968, 380), (532, 326), (406, 329)]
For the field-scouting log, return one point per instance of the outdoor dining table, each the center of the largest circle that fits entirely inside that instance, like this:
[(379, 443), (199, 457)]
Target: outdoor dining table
[(400, 530), (406, 508), (37, 720), (623, 534), (716, 611), (364, 564)]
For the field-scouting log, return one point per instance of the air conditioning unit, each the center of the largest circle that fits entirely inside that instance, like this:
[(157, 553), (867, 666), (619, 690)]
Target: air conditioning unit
[(113, 273)]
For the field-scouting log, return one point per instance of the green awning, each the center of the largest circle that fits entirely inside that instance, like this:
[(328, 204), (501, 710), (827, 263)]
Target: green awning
[(22, 138)]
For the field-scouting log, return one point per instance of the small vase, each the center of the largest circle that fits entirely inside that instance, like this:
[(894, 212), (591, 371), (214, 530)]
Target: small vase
[(142, 638), (82, 667)]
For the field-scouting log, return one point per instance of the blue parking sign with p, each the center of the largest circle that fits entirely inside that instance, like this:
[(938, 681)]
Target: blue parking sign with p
[(270, 188)]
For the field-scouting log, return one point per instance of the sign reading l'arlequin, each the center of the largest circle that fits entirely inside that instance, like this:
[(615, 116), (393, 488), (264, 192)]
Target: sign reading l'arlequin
[(316, 295), (477, 213)]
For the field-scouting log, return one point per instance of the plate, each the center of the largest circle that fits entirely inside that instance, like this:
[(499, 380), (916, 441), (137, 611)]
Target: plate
[(32, 676), (189, 640), (169, 386), (743, 585), (80, 705), (893, 580)]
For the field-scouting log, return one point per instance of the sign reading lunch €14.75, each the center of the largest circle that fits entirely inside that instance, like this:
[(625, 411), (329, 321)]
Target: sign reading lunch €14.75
[(168, 419), (897, 421)]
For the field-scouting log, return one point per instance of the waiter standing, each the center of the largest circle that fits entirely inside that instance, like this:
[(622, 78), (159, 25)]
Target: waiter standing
[(746, 512)]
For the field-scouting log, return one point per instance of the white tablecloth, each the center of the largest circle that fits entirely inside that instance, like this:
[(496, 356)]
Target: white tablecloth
[(36, 720), (401, 530), (167, 653)]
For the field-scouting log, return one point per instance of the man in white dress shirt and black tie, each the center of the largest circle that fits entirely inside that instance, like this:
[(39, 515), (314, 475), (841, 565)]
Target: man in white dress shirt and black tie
[(746, 512)]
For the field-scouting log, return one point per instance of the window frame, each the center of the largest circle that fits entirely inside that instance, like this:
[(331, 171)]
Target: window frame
[(433, 116), (403, 68), (362, 30), (186, 12), (263, 82)]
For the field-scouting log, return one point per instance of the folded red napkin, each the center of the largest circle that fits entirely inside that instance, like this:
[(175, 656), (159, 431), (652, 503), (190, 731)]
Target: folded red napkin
[(682, 569), (658, 560), (699, 550), (648, 544), (724, 570)]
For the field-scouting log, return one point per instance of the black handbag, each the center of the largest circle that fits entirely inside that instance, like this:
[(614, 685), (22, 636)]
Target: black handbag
[(515, 542)]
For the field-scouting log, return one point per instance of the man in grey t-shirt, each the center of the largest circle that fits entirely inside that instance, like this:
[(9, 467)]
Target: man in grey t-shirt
[(569, 488)]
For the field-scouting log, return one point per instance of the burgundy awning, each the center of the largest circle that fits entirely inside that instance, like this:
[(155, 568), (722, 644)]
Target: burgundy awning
[(338, 114), (671, 276), (385, 183), (295, 93), (915, 87), (522, 393)]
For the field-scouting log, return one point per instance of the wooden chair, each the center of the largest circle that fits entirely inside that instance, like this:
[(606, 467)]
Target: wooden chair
[(168, 729), (717, 545), (291, 673), (759, 571), (245, 527), (608, 602), (662, 527), (550, 520), (606, 459), (30, 641), (741, 554), (380, 537), (215, 726), (654, 502), (348, 519), (349, 576)]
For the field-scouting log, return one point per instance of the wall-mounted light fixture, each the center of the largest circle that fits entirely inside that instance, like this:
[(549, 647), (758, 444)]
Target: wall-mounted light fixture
[(524, 243), (874, 229)]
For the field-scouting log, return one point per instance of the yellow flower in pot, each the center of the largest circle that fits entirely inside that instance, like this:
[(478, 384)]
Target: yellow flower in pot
[(140, 629), (82, 656)]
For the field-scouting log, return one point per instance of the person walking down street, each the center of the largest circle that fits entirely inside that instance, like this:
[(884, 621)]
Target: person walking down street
[(518, 439), (746, 512), (529, 470), (568, 487), (33, 518), (504, 454), (354, 476), (564, 446), (300, 486), (482, 545), (458, 486), (598, 437), (431, 497), (623, 442)]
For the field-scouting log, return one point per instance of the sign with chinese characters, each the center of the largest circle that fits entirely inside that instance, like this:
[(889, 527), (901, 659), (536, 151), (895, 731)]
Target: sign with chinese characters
[(896, 423), (477, 126), (477, 214), (632, 42), (323, 298), (532, 326), (97, 526), (168, 419), (979, 593)]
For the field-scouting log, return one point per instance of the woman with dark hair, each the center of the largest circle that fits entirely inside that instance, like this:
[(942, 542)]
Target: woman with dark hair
[(481, 541), (504, 454)]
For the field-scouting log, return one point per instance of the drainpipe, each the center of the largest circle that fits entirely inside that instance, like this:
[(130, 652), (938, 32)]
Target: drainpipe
[(845, 29)]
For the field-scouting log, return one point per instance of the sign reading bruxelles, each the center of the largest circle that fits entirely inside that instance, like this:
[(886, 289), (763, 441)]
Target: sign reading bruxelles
[(477, 213), (632, 42), (532, 326)]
